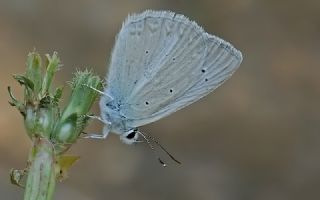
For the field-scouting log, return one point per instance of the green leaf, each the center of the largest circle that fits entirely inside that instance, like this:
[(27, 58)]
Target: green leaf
[(14, 102), (64, 164), (24, 81), (58, 94)]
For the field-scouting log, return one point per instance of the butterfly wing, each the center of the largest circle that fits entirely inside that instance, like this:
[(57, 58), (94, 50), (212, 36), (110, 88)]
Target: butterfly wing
[(222, 60), (157, 65), (150, 45), (154, 52)]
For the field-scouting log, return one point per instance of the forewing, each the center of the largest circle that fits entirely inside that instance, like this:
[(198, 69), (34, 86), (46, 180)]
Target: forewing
[(221, 62), (155, 60)]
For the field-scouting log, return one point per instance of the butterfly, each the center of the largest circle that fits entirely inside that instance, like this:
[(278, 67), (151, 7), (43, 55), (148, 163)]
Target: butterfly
[(161, 63)]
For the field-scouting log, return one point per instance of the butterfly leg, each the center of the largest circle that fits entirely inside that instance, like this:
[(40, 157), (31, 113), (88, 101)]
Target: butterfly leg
[(99, 119), (105, 132)]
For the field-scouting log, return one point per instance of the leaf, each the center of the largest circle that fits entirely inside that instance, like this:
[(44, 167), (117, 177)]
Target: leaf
[(64, 164), (18, 177), (24, 81), (58, 94), (14, 102)]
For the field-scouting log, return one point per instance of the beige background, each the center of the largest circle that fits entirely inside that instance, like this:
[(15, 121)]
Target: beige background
[(256, 138)]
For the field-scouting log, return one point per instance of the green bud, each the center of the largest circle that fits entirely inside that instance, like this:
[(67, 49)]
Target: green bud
[(33, 72), (73, 118), (53, 65), (39, 122)]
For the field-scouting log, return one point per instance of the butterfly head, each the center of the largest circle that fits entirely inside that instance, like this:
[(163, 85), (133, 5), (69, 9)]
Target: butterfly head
[(130, 136)]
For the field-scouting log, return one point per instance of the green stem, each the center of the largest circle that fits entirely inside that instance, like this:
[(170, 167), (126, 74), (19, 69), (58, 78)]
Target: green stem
[(41, 177)]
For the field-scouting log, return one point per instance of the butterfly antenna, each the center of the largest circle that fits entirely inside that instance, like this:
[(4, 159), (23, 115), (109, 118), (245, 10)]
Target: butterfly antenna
[(92, 88), (152, 148), (158, 143), (98, 91), (169, 154)]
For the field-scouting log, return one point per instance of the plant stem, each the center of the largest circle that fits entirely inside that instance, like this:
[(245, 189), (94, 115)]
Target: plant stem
[(41, 177)]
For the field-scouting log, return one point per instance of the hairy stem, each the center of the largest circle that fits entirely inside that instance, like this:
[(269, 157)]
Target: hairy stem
[(41, 177)]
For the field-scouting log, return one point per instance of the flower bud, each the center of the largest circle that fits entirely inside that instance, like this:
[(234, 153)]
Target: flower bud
[(74, 119)]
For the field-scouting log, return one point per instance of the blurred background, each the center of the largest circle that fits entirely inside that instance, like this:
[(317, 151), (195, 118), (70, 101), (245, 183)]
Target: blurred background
[(256, 138)]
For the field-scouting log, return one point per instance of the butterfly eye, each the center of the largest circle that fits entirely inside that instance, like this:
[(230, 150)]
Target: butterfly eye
[(203, 70), (131, 135)]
